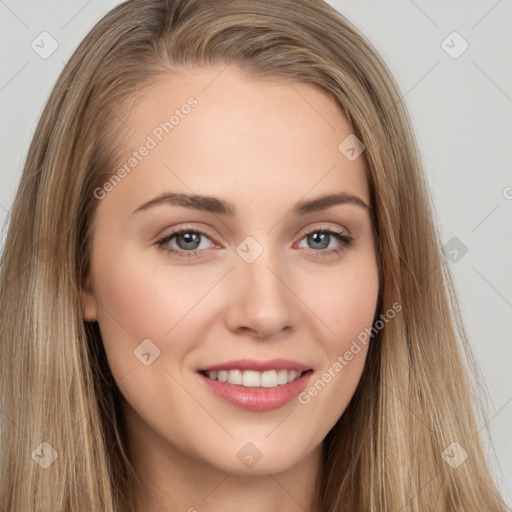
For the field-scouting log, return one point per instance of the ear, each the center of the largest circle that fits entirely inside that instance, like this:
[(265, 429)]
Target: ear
[(89, 302)]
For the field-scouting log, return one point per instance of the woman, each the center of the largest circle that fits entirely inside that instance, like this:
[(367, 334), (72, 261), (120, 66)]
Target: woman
[(262, 369)]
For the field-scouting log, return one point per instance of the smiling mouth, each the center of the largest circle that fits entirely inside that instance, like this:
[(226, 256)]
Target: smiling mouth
[(255, 379), (254, 390)]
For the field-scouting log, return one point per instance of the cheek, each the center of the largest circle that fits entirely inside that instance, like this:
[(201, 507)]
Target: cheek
[(146, 301), (348, 311), (136, 304), (356, 306), (346, 302)]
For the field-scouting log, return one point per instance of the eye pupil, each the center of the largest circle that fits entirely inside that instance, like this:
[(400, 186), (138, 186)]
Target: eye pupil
[(320, 238), (190, 238)]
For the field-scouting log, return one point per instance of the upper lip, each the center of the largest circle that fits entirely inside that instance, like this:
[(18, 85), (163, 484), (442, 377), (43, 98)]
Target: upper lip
[(258, 365)]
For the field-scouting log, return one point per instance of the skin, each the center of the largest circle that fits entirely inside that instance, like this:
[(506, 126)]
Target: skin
[(262, 145)]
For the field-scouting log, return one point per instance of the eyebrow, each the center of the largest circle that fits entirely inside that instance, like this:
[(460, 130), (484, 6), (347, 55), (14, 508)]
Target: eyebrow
[(222, 207)]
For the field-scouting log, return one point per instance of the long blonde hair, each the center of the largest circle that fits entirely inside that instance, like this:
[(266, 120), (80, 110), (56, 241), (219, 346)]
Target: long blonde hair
[(415, 396)]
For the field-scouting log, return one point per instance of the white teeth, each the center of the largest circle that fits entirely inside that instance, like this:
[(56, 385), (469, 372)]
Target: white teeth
[(282, 377), (293, 374), (253, 379), (269, 379), (235, 377)]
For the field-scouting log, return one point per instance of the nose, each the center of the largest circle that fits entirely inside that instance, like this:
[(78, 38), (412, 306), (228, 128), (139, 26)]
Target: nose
[(260, 301)]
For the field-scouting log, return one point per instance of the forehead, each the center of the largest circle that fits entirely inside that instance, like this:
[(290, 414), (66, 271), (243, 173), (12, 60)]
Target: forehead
[(214, 131)]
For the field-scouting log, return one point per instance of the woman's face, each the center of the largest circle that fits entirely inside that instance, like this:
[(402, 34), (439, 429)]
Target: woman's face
[(263, 280)]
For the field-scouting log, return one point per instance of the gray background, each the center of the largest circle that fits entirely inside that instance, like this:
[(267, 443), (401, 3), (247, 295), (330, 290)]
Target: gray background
[(461, 108)]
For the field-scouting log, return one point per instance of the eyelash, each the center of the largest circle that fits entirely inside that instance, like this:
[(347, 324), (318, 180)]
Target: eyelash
[(346, 242)]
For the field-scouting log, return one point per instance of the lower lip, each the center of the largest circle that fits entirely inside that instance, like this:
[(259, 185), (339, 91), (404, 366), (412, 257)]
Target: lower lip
[(257, 398)]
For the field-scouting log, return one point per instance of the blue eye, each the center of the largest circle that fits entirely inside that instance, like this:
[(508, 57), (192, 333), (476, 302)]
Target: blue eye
[(189, 239), (322, 238)]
